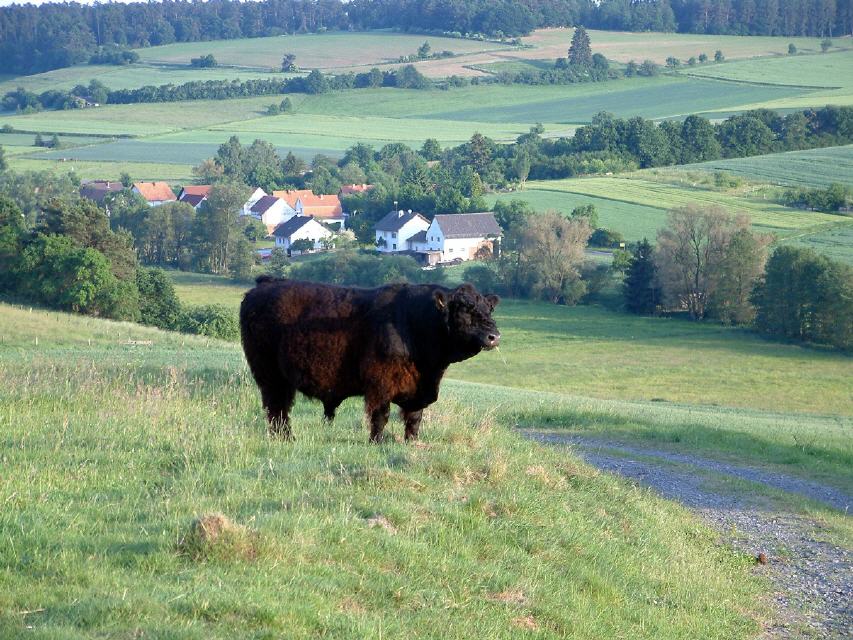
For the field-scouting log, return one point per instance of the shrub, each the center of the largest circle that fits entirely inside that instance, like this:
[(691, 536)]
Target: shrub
[(212, 320)]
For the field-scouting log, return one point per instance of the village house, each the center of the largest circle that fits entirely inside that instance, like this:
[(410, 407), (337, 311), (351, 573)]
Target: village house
[(98, 190), (154, 193), (448, 238), (272, 211), (396, 228), (257, 194), (326, 208), (194, 195), (300, 228), (354, 189)]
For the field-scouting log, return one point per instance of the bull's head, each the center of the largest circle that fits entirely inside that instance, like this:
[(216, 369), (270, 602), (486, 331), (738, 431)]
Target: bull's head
[(469, 320)]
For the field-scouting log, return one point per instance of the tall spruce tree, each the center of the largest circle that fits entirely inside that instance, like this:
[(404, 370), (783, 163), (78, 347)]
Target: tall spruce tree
[(580, 53), (640, 288)]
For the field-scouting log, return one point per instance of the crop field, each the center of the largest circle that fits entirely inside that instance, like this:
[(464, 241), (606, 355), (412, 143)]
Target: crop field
[(834, 241), (327, 535), (625, 46), (809, 168), (330, 50)]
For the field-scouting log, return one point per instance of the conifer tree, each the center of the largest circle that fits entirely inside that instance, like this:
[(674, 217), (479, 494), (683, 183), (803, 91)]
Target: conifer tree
[(640, 287), (580, 53)]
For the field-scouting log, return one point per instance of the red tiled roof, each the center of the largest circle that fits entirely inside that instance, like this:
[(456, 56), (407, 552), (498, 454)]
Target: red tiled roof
[(195, 190), (155, 191), (290, 197), (350, 189), (322, 206)]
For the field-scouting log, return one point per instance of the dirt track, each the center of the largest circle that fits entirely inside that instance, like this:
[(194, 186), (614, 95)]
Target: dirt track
[(813, 577)]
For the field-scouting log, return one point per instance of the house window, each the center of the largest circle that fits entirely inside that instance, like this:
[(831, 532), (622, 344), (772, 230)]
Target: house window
[(393, 234), (450, 250), (393, 246)]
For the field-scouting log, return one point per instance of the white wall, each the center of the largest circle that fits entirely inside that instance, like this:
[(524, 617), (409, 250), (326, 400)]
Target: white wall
[(399, 238)]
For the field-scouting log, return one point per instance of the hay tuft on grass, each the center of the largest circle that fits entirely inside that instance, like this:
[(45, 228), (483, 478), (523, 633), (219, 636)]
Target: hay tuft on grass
[(216, 537)]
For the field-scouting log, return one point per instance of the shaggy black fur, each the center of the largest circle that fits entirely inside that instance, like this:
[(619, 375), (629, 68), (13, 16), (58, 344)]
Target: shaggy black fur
[(391, 344)]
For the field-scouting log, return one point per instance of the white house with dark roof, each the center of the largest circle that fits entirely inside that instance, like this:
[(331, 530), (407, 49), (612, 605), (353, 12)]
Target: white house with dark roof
[(257, 194), (271, 211), (396, 228), (456, 236), (300, 228)]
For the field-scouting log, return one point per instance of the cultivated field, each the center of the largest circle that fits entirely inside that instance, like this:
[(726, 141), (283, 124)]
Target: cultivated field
[(810, 168), (114, 449), (326, 51)]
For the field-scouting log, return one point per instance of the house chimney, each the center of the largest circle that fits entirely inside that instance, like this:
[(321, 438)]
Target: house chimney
[(410, 212)]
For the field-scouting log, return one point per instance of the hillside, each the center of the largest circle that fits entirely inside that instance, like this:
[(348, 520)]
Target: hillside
[(118, 446)]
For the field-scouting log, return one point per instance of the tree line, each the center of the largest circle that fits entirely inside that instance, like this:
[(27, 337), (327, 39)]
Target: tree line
[(39, 38), (710, 264)]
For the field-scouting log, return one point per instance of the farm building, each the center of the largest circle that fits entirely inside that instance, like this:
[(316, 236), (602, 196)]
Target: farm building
[(459, 236), (300, 228), (257, 194), (394, 230), (154, 193), (272, 212), (325, 207), (194, 195), (97, 190)]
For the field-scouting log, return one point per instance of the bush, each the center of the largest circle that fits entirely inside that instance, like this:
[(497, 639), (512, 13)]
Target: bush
[(212, 320), (158, 303), (366, 270), (606, 238), (482, 276)]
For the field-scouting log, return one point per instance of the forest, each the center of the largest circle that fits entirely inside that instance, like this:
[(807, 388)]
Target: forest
[(39, 38)]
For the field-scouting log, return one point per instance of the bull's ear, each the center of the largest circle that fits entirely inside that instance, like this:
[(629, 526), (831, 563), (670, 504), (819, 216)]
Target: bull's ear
[(440, 299), (493, 300)]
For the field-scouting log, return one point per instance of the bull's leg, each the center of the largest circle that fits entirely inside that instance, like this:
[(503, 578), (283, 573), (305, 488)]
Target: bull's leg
[(413, 423), (329, 409), (378, 413), (278, 403)]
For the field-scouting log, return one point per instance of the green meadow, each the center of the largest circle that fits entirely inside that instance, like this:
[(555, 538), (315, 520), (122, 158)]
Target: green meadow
[(635, 205), (119, 437), (810, 168), (327, 51)]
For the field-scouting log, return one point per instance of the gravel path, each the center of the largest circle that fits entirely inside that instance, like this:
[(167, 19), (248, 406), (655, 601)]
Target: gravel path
[(813, 578)]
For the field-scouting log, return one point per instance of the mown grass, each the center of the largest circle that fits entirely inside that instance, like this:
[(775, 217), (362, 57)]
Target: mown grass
[(114, 450)]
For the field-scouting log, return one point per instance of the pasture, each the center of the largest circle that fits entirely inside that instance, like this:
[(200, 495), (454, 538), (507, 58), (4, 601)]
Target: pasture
[(591, 352), (115, 448)]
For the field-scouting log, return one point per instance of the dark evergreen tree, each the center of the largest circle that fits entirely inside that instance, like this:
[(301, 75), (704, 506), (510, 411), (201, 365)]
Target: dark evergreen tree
[(580, 52), (640, 288)]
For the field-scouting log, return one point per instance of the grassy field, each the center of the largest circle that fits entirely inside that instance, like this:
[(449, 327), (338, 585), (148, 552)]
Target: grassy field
[(835, 241), (114, 449), (330, 50), (588, 351), (828, 71), (811, 168), (636, 206)]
